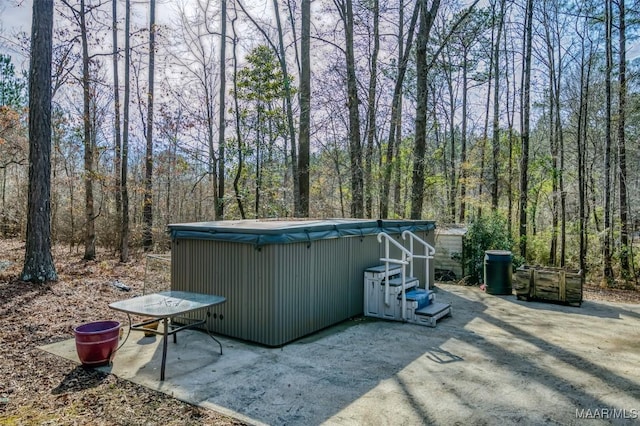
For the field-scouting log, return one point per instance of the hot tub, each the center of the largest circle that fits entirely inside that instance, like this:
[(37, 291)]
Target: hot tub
[(282, 279)]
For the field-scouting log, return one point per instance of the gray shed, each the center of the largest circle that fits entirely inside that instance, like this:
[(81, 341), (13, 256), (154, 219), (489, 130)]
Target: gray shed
[(282, 279), (449, 247)]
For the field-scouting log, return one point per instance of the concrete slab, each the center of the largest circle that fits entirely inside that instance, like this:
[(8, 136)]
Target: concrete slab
[(496, 360)]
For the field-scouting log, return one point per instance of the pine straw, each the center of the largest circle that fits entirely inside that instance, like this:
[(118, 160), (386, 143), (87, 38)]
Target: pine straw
[(40, 388)]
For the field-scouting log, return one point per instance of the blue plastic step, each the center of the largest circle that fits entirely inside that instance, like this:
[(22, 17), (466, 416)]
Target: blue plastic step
[(420, 295)]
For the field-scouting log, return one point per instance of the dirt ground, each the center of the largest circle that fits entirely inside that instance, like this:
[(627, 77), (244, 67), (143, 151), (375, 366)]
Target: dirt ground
[(39, 388)]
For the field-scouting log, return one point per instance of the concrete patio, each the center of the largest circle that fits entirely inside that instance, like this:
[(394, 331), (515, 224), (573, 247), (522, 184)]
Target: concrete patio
[(495, 361)]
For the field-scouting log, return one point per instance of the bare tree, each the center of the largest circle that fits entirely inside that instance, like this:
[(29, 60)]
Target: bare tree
[(395, 130), (550, 21), (345, 10), (371, 116), (221, 118), (394, 141), (90, 232), (622, 154), (606, 248), (305, 112), (147, 233), (427, 17), (38, 262), (510, 112), (299, 162), (124, 189), (525, 117), (495, 145), (80, 15), (586, 59), (239, 138), (117, 142)]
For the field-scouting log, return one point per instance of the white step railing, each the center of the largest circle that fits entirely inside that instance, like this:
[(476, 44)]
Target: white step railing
[(429, 251), (403, 261)]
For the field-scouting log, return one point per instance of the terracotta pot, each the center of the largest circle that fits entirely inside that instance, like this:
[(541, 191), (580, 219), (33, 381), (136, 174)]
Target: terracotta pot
[(96, 342)]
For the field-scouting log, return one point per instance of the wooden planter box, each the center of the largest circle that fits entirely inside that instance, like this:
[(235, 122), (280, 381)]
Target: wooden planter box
[(548, 284)]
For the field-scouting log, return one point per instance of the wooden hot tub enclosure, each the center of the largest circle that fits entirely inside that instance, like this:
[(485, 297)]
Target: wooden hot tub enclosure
[(282, 279)]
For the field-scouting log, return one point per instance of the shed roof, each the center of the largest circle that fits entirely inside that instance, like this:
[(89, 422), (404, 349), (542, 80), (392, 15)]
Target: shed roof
[(459, 230)]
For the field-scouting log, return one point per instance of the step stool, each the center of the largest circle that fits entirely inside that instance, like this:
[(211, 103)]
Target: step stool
[(430, 314), (374, 287)]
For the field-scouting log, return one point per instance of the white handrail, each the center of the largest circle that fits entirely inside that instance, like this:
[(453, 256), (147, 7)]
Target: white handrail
[(429, 251), (404, 261), (394, 242)]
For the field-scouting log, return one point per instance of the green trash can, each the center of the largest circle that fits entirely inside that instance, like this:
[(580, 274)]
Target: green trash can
[(497, 271)]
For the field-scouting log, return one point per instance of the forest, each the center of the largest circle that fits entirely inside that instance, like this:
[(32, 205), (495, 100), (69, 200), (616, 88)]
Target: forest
[(520, 116)]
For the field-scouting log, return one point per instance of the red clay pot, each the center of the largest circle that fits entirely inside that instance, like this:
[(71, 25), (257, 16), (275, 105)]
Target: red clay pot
[(96, 342)]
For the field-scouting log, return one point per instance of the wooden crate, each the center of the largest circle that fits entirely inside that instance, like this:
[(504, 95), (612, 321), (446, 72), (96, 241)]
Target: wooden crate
[(522, 281), (549, 284)]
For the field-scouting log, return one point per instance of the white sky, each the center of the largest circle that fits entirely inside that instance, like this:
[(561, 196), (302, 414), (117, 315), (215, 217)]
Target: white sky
[(15, 16)]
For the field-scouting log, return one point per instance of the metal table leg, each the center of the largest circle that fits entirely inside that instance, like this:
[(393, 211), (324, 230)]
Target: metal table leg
[(165, 322), (206, 326)]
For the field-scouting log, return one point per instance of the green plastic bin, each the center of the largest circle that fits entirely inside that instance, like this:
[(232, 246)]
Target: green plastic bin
[(497, 271)]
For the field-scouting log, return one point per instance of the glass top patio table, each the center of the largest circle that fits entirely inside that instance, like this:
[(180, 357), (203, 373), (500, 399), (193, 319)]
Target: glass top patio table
[(166, 304)]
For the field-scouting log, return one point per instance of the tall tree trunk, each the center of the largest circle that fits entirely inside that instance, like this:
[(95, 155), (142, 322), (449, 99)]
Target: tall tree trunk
[(372, 128), (526, 112), (220, 205), (305, 113), (554, 125), (124, 226), (560, 138), (259, 155), (451, 193), (90, 232), (353, 103), (511, 108), (553, 144), (585, 75), (427, 17), (622, 155), (606, 249), (394, 142), (485, 131), (117, 143), (291, 132), (395, 131), (496, 113), (240, 145), (147, 233), (463, 136), (38, 262)]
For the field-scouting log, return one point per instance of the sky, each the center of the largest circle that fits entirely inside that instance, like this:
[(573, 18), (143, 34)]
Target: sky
[(15, 15), (14, 19)]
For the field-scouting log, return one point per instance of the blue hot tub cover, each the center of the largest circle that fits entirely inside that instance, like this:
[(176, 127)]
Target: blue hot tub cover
[(261, 232)]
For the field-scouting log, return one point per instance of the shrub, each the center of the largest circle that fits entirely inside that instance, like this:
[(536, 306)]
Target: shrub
[(485, 233)]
